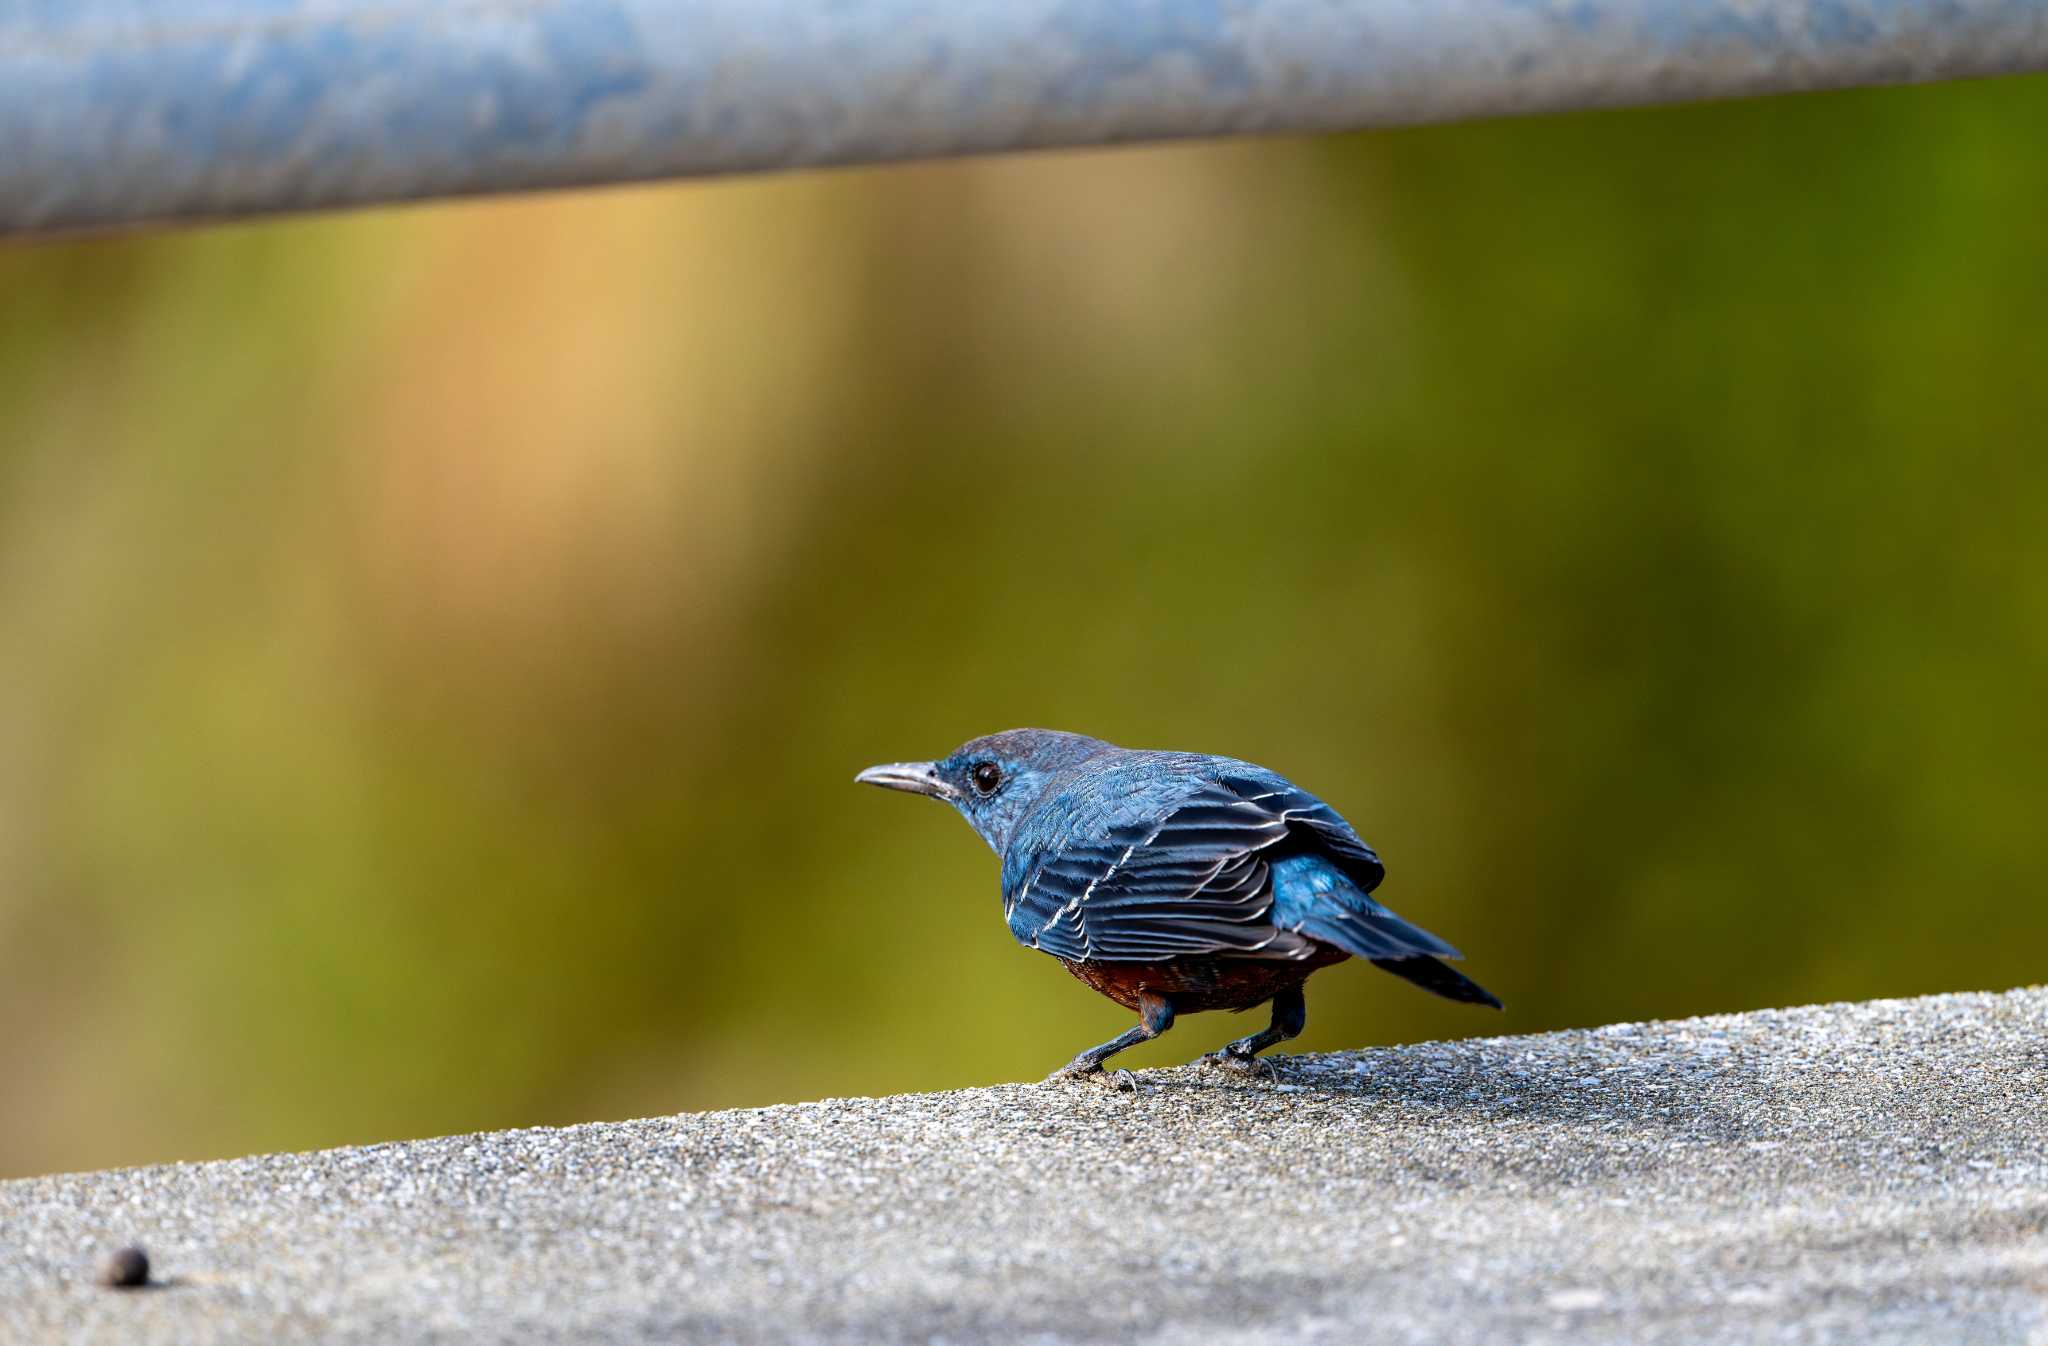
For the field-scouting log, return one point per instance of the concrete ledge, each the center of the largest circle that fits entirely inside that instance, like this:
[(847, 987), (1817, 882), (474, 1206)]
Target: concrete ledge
[(1868, 1173)]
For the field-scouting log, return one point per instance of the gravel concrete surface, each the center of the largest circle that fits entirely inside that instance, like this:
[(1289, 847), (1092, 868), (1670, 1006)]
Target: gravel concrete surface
[(1864, 1173)]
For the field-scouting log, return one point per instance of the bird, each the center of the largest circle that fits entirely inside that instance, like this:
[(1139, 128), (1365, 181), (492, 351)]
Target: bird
[(1175, 883)]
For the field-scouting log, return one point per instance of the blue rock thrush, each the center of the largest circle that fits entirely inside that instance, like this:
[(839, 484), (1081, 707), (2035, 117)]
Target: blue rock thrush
[(1176, 882)]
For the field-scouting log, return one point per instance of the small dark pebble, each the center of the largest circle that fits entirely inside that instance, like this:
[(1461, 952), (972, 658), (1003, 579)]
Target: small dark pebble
[(125, 1268)]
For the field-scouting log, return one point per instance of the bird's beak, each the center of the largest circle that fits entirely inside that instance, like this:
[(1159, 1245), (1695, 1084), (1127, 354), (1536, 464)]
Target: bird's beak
[(919, 778)]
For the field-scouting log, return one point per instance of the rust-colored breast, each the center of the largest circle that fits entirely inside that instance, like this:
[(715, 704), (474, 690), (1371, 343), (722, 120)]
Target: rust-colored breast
[(1196, 984)]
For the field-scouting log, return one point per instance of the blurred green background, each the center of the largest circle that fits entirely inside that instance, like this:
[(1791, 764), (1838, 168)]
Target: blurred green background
[(435, 645)]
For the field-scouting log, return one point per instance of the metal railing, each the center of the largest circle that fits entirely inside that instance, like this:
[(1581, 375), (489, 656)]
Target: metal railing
[(118, 112)]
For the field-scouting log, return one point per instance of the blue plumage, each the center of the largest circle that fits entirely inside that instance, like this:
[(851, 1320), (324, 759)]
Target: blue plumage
[(1175, 881)]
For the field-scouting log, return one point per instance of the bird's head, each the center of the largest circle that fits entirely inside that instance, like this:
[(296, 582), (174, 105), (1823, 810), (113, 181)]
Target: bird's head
[(993, 781)]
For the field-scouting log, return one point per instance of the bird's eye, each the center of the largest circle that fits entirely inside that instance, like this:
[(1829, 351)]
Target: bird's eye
[(987, 776)]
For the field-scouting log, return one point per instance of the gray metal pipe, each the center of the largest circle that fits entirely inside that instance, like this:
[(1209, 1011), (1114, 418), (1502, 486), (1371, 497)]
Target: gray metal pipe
[(122, 111)]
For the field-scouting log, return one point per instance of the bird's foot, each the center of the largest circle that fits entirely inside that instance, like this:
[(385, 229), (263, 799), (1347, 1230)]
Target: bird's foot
[(1080, 1073), (1240, 1064)]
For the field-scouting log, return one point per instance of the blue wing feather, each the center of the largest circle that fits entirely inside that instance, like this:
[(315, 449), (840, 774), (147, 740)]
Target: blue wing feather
[(1314, 896), (1164, 855)]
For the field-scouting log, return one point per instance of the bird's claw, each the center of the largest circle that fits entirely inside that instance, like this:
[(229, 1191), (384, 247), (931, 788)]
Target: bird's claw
[(1237, 1063), (1120, 1080)]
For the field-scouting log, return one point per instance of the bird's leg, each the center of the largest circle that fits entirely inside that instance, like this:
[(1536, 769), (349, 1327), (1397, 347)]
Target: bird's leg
[(1290, 1016), (1155, 1017)]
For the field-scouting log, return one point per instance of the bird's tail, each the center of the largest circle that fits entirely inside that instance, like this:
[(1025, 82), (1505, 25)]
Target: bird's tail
[(1441, 978), (1312, 895)]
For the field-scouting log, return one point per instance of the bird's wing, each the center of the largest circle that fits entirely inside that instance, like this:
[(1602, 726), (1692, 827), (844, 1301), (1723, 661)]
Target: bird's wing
[(1298, 808), (1193, 879)]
